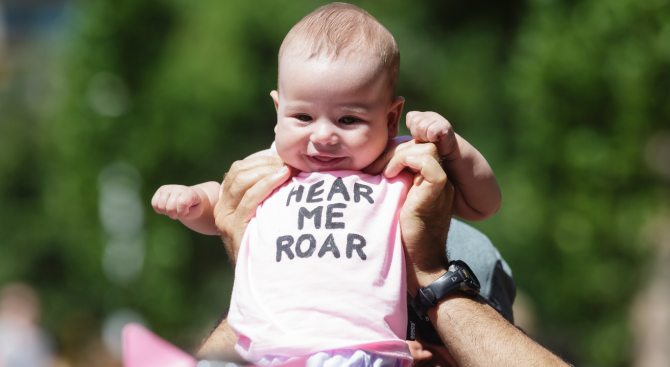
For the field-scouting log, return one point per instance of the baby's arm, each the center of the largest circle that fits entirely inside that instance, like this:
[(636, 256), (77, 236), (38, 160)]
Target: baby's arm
[(193, 206), (477, 194)]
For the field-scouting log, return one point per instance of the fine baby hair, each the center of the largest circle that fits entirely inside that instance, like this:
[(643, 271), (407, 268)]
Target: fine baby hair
[(341, 30)]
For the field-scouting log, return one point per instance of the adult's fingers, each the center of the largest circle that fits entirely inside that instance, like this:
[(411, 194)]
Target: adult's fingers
[(399, 160), (232, 222), (258, 192), (419, 354), (243, 175), (424, 224), (249, 164), (377, 167), (424, 218), (243, 182), (429, 179)]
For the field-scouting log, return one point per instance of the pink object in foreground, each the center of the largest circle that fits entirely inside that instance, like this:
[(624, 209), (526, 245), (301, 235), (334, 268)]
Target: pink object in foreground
[(142, 348)]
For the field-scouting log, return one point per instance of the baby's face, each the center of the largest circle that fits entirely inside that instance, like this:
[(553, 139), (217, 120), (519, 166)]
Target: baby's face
[(333, 115)]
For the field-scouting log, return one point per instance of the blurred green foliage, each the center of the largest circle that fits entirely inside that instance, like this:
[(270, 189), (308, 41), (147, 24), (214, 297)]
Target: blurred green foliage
[(561, 97)]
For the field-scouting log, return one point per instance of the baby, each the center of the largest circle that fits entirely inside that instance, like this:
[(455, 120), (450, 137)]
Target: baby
[(320, 271)]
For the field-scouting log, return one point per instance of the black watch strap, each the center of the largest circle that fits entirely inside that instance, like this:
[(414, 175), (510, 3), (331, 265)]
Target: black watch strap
[(458, 277)]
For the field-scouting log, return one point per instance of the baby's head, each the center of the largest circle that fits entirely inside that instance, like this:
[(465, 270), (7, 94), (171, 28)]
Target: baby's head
[(338, 69)]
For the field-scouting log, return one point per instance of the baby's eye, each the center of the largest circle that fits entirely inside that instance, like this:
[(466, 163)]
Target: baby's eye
[(348, 120), (304, 117)]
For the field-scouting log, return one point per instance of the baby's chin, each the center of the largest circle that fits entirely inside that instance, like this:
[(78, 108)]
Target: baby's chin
[(310, 165)]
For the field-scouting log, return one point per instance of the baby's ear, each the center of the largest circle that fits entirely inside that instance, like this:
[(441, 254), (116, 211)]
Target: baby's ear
[(275, 97), (393, 116)]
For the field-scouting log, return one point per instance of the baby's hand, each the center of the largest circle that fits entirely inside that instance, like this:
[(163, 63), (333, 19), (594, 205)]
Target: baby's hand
[(430, 127), (177, 202)]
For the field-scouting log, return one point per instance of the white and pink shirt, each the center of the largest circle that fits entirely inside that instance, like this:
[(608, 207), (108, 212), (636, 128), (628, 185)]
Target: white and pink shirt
[(321, 267)]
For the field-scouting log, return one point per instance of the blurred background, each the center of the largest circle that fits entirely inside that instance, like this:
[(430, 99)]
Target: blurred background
[(103, 101)]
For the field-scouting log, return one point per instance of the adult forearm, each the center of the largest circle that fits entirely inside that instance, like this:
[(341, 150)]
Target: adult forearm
[(477, 335), (220, 343)]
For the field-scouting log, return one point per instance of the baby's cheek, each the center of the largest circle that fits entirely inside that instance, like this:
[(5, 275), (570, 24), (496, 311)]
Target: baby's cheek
[(369, 155), (290, 155), (283, 142), (286, 155)]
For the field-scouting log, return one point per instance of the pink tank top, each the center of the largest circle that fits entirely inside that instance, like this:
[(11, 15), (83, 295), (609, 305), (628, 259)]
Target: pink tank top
[(321, 267)]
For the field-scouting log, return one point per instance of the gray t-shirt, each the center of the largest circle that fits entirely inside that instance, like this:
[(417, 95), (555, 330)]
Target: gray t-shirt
[(497, 285)]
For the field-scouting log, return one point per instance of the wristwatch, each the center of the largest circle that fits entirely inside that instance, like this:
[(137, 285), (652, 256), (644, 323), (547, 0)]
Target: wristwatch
[(459, 276)]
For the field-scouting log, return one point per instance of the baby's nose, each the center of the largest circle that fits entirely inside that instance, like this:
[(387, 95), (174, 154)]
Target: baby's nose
[(324, 133)]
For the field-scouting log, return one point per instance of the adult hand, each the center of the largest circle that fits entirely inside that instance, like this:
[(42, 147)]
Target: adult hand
[(244, 187), (429, 355), (426, 214), (473, 332)]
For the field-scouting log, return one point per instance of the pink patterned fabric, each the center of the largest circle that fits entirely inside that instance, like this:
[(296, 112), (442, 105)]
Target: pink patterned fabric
[(142, 348), (321, 267)]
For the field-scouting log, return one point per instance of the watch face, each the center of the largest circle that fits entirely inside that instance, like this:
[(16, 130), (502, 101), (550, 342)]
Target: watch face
[(467, 273)]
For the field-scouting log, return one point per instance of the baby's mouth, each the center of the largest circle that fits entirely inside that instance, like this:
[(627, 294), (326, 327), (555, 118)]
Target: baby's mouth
[(324, 160)]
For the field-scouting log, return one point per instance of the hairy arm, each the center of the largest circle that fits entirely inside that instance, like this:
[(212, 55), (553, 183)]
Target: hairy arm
[(473, 332), (245, 186), (220, 343), (476, 335)]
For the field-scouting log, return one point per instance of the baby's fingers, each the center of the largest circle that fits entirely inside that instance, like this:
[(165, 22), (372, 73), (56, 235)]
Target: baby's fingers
[(183, 205), (422, 127), (439, 130), (171, 206), (155, 200), (418, 123), (412, 120), (161, 206), (189, 206)]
